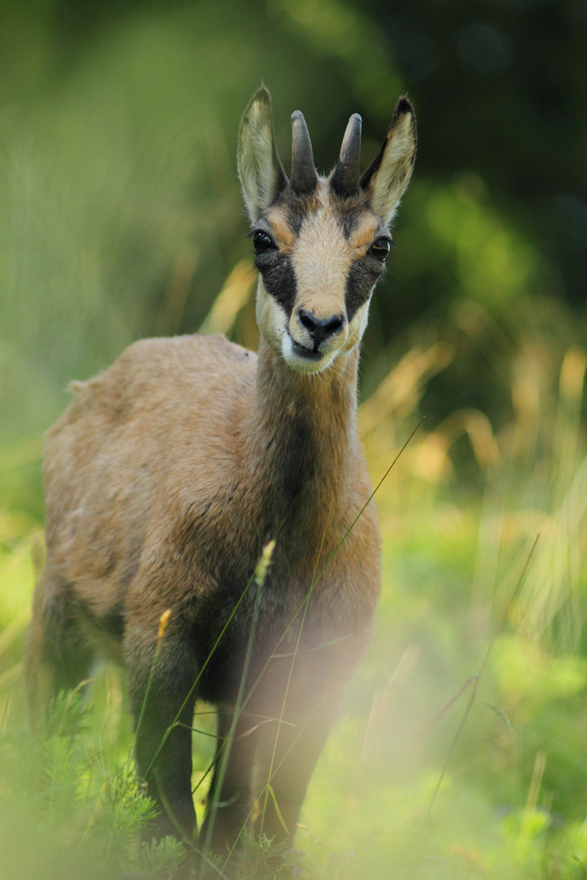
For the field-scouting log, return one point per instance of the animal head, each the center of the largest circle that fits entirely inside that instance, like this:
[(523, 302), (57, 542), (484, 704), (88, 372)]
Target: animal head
[(320, 242)]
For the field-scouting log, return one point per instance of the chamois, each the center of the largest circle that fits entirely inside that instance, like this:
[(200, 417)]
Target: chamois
[(170, 472)]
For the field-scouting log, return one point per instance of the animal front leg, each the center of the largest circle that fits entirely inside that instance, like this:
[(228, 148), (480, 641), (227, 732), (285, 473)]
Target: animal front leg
[(229, 798), (163, 700), (286, 758)]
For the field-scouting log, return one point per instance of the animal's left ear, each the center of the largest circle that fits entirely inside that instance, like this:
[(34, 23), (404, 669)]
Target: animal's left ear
[(388, 175), (260, 171)]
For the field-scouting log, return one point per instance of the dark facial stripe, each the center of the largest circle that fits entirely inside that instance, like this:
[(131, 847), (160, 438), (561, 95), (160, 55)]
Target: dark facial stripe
[(299, 208), (296, 216), (278, 278), (359, 284), (348, 223)]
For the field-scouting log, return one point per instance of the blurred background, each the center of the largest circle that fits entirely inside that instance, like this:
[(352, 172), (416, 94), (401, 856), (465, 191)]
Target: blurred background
[(121, 217)]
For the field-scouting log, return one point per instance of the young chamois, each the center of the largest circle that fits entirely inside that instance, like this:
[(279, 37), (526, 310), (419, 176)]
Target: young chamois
[(171, 471)]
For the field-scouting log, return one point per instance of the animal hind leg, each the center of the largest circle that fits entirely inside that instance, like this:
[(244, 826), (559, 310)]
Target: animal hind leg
[(57, 656)]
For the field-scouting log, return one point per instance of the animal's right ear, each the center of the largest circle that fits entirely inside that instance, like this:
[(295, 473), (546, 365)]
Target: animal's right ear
[(260, 171)]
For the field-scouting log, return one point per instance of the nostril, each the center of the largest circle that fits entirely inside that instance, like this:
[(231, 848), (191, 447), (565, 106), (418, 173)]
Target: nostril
[(308, 321), (332, 325)]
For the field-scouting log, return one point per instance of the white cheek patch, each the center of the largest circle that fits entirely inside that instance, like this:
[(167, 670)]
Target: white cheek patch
[(271, 319), (357, 326)]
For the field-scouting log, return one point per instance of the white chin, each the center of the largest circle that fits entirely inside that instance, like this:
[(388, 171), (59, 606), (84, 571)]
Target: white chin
[(302, 364)]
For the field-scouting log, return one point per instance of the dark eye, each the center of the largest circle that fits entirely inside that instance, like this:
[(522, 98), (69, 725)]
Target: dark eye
[(380, 249), (261, 241)]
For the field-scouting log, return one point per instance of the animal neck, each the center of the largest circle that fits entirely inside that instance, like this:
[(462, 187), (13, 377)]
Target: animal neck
[(302, 434)]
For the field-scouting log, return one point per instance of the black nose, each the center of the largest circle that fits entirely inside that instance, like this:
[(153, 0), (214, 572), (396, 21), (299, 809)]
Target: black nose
[(320, 329)]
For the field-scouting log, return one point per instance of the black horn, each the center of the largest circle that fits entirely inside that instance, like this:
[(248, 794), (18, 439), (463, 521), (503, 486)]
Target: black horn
[(303, 173), (345, 180)]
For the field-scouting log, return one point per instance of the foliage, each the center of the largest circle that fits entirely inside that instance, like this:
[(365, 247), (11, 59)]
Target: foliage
[(83, 810)]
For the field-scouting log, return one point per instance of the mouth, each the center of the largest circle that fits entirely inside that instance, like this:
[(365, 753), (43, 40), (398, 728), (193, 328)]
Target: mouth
[(309, 354)]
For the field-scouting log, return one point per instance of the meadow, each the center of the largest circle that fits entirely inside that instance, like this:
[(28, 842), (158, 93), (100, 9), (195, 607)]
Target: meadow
[(461, 750)]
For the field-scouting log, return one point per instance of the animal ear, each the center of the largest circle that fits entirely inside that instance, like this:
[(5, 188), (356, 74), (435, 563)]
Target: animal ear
[(260, 171), (388, 175)]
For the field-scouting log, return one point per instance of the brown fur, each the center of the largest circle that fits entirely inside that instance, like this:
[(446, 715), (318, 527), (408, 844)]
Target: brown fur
[(165, 478)]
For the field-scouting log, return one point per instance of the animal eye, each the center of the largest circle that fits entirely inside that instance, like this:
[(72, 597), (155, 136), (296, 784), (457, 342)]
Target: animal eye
[(262, 242), (380, 249)]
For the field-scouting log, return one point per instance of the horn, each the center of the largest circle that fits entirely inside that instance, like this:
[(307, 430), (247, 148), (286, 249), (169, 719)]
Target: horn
[(345, 180), (303, 172)]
